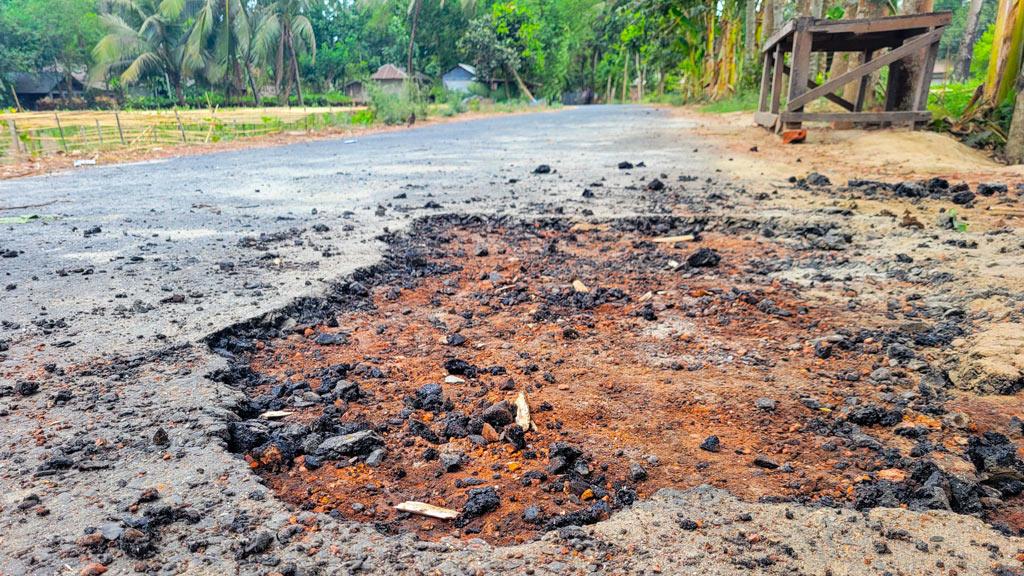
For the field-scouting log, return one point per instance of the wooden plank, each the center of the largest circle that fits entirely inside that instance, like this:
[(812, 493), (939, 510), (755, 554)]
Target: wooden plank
[(766, 119), (894, 116), (766, 76), (831, 97), (800, 66), (890, 23), (429, 510), (925, 76), (780, 65), (899, 53), (15, 141), (779, 34)]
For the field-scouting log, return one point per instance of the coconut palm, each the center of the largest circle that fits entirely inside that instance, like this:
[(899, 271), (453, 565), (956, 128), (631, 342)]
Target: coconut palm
[(222, 40), (285, 22), (145, 38)]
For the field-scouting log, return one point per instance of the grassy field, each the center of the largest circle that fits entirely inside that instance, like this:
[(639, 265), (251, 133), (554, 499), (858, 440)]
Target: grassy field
[(37, 134)]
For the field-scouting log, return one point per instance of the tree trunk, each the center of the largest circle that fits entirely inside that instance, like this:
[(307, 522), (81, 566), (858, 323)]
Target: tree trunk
[(639, 80), (767, 20), (1015, 140), (625, 77), (867, 9), (750, 27), (522, 85), (1005, 61), (295, 69), (252, 84), (279, 65), (904, 85), (179, 92), (412, 35), (963, 62)]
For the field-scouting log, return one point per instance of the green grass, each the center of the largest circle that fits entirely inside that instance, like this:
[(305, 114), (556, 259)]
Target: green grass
[(950, 100), (742, 102)]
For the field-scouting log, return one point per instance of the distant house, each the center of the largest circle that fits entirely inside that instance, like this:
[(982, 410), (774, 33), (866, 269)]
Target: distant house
[(391, 78), (31, 87), (356, 91), (459, 78)]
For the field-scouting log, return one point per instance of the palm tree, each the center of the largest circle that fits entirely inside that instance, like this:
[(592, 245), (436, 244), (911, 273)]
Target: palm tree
[(145, 38), (285, 22), (222, 38)]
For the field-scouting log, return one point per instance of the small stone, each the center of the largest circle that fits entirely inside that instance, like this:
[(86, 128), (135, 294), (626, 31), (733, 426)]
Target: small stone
[(703, 258), (160, 437), (376, 458), (93, 569), (637, 473), (816, 179), (766, 404), (452, 461), (711, 444)]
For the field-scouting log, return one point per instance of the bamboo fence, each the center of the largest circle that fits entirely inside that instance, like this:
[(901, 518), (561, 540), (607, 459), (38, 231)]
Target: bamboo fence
[(36, 134)]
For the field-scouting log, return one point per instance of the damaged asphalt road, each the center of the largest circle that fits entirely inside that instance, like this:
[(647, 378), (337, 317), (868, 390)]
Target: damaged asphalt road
[(121, 455)]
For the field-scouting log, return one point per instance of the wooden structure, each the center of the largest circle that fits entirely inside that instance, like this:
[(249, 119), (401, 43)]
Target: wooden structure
[(904, 37)]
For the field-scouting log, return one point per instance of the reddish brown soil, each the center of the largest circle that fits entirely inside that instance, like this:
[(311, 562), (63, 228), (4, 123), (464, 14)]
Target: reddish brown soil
[(625, 389)]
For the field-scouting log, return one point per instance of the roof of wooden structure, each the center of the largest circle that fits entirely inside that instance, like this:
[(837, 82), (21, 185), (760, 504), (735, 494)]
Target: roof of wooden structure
[(857, 35), (390, 72)]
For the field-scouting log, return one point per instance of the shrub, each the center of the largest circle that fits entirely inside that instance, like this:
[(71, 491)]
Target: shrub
[(391, 108)]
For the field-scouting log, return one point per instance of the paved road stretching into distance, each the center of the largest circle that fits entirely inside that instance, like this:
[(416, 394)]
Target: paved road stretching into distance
[(177, 253)]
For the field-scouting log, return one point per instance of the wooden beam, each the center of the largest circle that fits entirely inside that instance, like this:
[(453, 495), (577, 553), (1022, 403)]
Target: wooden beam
[(869, 117), (799, 65), (891, 23), (831, 97), (899, 53), (766, 119), (779, 34), (925, 76), (766, 76), (779, 65)]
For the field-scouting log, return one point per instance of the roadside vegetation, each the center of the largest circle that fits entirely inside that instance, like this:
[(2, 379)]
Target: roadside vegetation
[(152, 54)]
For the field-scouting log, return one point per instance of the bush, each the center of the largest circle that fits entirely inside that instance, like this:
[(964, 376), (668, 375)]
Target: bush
[(452, 103), (391, 108), (740, 102)]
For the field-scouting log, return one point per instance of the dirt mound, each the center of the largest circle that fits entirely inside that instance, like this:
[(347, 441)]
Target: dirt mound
[(993, 362)]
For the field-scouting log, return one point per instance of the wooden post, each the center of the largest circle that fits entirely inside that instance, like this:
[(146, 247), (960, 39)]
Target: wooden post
[(862, 89), (60, 128), (99, 132), (780, 67), (120, 132), (17, 103), (15, 141), (924, 77), (180, 127), (800, 65), (766, 75)]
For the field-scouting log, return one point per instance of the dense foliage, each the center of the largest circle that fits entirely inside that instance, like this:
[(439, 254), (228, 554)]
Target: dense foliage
[(254, 51)]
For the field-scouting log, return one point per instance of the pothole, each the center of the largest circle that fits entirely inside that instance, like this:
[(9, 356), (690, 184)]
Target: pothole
[(648, 354)]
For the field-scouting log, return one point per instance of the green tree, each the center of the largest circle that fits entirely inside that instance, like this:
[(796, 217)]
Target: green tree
[(39, 33), (146, 39), (287, 23)]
